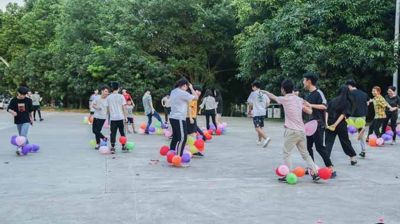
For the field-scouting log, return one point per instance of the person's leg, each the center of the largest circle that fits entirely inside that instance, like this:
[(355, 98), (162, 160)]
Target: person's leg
[(166, 114), (301, 146), (393, 124), (121, 129), (310, 143), (176, 134), (149, 120), (40, 113), (208, 115), (345, 141), (183, 130), (113, 135), (19, 126), (95, 130), (289, 141), (157, 116), (319, 145), (371, 128), (25, 130), (378, 127), (330, 137), (385, 123), (34, 113), (214, 120)]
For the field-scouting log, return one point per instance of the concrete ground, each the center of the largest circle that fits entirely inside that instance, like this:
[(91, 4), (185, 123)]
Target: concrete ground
[(67, 182)]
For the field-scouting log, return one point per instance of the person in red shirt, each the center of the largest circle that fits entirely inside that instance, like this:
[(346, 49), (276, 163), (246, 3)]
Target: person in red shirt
[(127, 95)]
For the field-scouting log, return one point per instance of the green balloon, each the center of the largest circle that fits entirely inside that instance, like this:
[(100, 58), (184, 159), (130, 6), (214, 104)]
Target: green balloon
[(291, 178), (157, 124), (360, 123), (190, 140), (130, 146), (92, 143), (350, 122)]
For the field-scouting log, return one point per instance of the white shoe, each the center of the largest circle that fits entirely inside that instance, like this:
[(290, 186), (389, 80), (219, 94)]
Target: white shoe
[(258, 142), (266, 142), (393, 143)]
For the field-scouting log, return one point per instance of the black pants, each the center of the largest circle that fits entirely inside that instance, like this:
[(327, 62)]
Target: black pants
[(167, 111), (36, 108), (210, 113), (391, 118), (341, 131), (376, 126), (318, 140), (96, 127), (179, 135), (197, 127), (116, 125)]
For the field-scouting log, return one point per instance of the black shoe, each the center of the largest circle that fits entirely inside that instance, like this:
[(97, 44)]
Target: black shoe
[(198, 154), (18, 153), (315, 177), (124, 149), (97, 147), (41, 119), (282, 179), (34, 119), (362, 154), (307, 172), (146, 132), (112, 150), (333, 175), (353, 163)]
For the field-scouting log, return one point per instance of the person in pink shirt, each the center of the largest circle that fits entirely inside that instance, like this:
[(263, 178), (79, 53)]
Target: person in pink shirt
[(294, 127)]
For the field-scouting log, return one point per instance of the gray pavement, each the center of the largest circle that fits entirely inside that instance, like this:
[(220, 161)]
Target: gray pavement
[(68, 182)]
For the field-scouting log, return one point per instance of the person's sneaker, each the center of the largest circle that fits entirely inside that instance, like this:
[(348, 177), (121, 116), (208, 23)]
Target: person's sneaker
[(184, 165), (204, 138), (258, 142), (124, 149), (164, 126), (315, 177), (34, 119), (362, 154), (353, 163), (97, 147), (333, 175), (41, 119), (198, 154), (146, 133), (393, 143), (307, 171), (266, 142), (282, 179), (112, 150), (18, 152)]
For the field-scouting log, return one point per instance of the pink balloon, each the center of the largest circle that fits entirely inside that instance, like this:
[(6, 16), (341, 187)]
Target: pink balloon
[(380, 141), (104, 150), (311, 127), (283, 170), (20, 140), (141, 131), (167, 133)]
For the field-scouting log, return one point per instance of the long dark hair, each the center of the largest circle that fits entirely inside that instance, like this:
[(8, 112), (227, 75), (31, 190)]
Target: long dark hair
[(342, 102), (208, 93)]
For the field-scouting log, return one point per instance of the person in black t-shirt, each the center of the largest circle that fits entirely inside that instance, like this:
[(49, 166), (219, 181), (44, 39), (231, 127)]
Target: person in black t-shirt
[(360, 111), (316, 100), (338, 110), (394, 101), (20, 108)]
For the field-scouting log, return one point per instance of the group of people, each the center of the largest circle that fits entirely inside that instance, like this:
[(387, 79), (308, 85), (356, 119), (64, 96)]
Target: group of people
[(330, 117), (21, 108)]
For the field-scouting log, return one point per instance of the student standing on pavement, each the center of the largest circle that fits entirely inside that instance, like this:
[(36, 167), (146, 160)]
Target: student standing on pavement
[(165, 102), (391, 116), (117, 114), (36, 99), (100, 115)]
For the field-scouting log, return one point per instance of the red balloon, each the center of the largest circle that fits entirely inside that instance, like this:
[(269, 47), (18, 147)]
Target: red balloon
[(278, 173), (325, 173), (199, 143), (170, 156), (164, 150), (218, 132), (123, 140), (210, 132), (208, 136), (388, 128)]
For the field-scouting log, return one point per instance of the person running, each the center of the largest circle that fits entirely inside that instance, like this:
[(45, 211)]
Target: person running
[(338, 110), (150, 111), (257, 108), (21, 108), (117, 114), (179, 105), (165, 102), (131, 120), (380, 106), (316, 100), (100, 115), (391, 116), (360, 111), (36, 99), (294, 134), (210, 105), (220, 105), (91, 99)]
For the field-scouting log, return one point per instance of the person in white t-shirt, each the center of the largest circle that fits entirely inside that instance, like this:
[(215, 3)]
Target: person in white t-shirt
[(179, 99), (257, 108), (100, 115), (91, 99), (117, 114)]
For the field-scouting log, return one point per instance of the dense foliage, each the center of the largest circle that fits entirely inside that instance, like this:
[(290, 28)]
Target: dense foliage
[(66, 48)]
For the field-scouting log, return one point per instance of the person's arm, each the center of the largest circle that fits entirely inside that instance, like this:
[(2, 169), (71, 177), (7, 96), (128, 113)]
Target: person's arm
[(193, 92), (30, 109), (163, 102), (270, 95), (307, 108), (12, 107), (190, 113)]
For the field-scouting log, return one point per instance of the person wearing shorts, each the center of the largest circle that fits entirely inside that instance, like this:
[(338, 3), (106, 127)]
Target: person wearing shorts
[(257, 108)]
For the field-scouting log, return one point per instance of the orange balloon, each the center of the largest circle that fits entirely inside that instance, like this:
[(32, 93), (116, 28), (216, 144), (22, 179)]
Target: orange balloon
[(176, 161), (299, 171), (143, 125), (372, 142)]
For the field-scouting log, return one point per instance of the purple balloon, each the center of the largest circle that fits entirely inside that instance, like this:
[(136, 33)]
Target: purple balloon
[(386, 137), (13, 138), (152, 129), (351, 129), (26, 149), (212, 127), (35, 148), (398, 133), (390, 132), (185, 158)]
